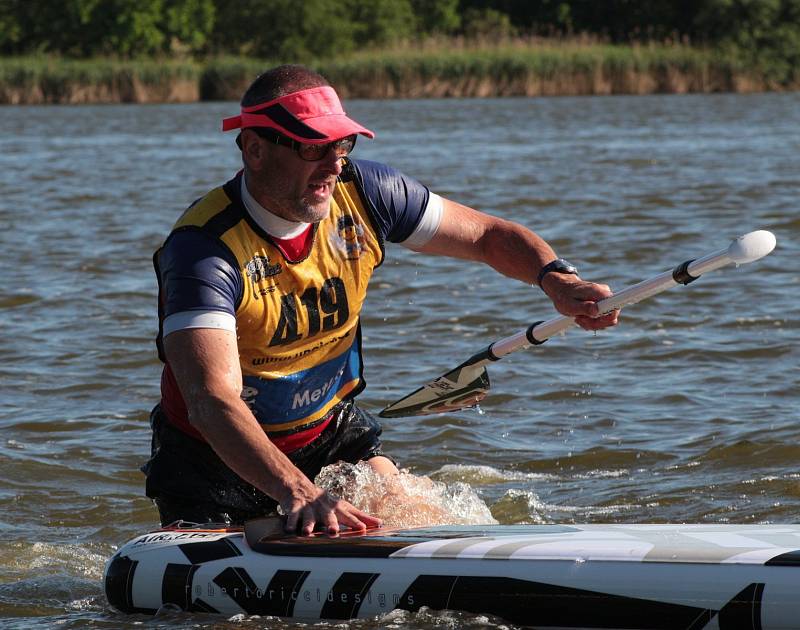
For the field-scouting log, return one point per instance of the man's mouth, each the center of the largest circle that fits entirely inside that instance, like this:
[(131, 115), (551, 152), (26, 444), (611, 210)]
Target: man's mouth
[(321, 189)]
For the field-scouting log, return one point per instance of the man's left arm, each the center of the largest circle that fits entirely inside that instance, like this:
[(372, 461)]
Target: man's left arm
[(517, 252)]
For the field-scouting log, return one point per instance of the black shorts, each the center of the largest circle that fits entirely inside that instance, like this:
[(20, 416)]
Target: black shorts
[(188, 481)]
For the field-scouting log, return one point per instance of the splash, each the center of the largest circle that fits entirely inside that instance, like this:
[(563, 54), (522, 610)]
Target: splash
[(405, 500)]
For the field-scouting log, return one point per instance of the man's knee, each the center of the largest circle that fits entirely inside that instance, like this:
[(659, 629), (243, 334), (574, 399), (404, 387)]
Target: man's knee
[(382, 465)]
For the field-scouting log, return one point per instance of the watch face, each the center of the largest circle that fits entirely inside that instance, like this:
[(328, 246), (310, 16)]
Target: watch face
[(559, 265)]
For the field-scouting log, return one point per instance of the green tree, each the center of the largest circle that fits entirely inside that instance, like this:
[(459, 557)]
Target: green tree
[(283, 29), (313, 28), (487, 24), (131, 28), (766, 32), (81, 28), (39, 26), (441, 17), (11, 29), (298, 31), (380, 21), (188, 24), (238, 25)]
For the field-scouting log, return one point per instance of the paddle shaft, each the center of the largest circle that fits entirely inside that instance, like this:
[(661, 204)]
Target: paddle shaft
[(541, 331), (468, 383)]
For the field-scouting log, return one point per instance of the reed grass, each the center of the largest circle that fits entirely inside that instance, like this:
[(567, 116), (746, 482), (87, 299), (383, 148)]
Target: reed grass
[(541, 68), (226, 78), (529, 67), (59, 80)]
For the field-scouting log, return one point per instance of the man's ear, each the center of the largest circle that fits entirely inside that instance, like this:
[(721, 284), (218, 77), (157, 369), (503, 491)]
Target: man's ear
[(252, 147)]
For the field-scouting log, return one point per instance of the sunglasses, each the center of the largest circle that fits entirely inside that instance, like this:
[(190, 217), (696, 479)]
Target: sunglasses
[(310, 152)]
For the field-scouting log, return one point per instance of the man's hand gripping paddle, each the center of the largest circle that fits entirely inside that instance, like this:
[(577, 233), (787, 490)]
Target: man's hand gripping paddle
[(468, 384)]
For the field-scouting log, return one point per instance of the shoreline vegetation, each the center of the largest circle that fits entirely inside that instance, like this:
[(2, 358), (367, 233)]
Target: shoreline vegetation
[(452, 68)]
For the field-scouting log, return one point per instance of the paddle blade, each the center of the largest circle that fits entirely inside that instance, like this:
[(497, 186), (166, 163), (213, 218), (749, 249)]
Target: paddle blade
[(464, 386)]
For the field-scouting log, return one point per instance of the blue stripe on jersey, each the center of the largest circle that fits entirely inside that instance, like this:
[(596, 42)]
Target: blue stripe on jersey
[(396, 201), (199, 273), (299, 395)]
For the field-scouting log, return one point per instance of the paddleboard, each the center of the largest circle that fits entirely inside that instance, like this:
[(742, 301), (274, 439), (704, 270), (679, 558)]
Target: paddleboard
[(548, 576)]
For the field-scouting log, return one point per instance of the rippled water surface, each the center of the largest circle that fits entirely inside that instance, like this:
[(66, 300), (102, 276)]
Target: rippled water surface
[(687, 412)]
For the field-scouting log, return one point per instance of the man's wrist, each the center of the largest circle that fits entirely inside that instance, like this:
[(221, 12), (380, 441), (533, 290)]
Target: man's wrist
[(559, 265)]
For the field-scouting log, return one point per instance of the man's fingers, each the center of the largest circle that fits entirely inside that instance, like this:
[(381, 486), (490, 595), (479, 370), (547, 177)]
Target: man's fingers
[(309, 521), (330, 513), (331, 523), (353, 522), (354, 518), (371, 521), (578, 308), (361, 520), (603, 290), (290, 527), (590, 309), (580, 302), (597, 323)]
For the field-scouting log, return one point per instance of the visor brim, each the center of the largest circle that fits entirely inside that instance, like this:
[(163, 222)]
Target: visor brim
[(335, 127)]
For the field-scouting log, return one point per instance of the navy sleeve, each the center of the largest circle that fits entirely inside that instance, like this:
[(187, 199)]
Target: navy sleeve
[(198, 273), (396, 200)]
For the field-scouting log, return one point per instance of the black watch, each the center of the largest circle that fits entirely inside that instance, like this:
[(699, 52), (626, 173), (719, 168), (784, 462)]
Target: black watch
[(559, 265)]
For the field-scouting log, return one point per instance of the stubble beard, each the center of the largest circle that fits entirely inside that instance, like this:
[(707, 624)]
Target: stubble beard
[(309, 212), (288, 203)]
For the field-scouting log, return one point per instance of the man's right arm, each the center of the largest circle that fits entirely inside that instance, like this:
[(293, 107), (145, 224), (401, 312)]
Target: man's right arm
[(205, 363)]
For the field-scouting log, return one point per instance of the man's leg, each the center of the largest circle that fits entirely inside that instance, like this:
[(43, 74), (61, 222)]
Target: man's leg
[(383, 465), (188, 481), (172, 510)]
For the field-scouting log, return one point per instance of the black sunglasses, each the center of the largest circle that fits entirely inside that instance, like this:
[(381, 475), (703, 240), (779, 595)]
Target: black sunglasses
[(309, 152)]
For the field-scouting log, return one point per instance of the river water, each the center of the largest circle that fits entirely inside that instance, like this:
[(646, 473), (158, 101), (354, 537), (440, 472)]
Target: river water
[(687, 412)]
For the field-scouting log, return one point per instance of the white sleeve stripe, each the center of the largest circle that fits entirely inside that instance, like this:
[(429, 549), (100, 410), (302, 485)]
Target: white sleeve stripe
[(199, 319), (428, 224)]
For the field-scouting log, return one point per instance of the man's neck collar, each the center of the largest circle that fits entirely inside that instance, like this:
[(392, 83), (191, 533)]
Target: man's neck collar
[(271, 223)]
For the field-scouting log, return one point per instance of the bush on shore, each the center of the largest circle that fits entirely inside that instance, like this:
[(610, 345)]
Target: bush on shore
[(452, 68)]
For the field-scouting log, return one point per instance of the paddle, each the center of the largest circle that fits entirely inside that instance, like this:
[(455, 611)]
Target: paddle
[(468, 384)]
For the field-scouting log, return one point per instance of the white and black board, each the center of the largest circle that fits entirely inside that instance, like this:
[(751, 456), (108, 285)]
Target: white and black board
[(556, 576)]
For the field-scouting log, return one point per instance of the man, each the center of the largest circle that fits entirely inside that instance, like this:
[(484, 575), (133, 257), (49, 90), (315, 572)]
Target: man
[(261, 286)]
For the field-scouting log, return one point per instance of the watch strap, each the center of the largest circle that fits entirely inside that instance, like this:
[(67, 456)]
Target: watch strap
[(559, 265)]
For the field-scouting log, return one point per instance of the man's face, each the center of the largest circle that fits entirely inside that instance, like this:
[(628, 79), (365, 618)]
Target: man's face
[(287, 185)]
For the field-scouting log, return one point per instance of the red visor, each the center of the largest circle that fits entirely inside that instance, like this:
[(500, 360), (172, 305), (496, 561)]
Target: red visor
[(313, 116)]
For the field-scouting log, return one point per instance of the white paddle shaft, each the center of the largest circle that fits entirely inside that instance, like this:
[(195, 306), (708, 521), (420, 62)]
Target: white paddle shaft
[(744, 249)]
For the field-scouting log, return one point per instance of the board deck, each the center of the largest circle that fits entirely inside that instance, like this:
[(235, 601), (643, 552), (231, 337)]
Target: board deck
[(745, 544), (590, 576)]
